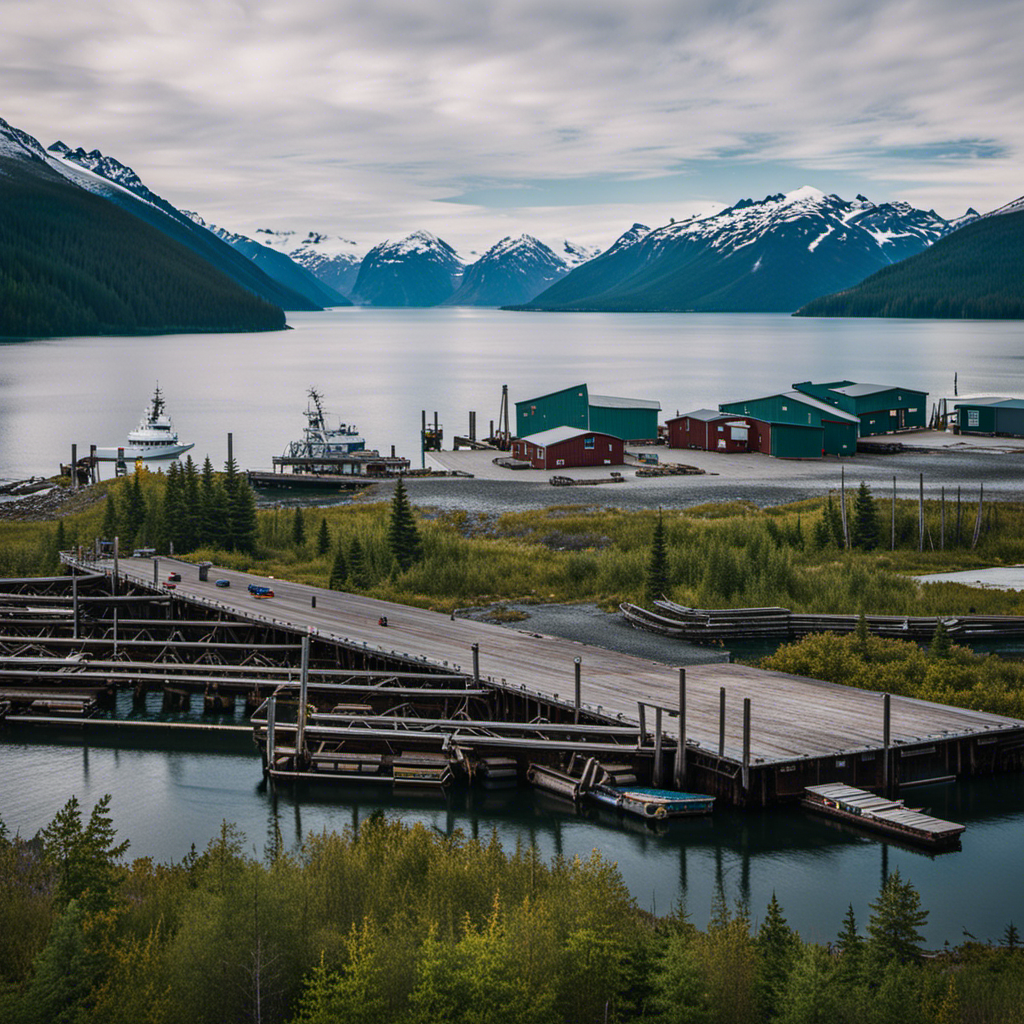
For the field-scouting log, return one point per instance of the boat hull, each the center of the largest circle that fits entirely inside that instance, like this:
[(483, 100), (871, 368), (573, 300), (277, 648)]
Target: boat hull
[(133, 452)]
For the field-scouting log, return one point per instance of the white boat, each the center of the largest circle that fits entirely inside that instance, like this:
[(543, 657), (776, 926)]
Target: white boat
[(154, 437)]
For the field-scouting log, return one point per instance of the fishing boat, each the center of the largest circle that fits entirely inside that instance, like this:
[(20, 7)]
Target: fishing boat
[(327, 457), (154, 437), (876, 813)]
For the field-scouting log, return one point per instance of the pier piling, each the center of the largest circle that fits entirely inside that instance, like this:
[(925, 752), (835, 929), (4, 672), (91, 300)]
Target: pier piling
[(679, 778)]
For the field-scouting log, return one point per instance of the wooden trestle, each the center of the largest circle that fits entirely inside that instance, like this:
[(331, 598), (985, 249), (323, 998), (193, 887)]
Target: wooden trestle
[(336, 695)]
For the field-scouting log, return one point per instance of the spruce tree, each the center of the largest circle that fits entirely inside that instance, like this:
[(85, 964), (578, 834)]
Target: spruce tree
[(866, 530), (657, 565), (173, 511), (298, 528), (357, 564), (851, 947), (191, 505), (243, 516), (894, 934), (403, 536), (111, 519), (339, 570), (323, 540), (777, 948), (940, 646)]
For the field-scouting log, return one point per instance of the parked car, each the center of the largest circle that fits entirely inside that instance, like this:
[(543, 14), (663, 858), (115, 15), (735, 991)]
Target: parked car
[(174, 577), (223, 583)]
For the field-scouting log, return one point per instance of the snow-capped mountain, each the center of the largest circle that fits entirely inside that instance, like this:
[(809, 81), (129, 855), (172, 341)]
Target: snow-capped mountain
[(512, 271), (109, 178), (78, 261), (771, 255), (975, 273), (332, 258), (278, 265), (574, 254), (418, 270)]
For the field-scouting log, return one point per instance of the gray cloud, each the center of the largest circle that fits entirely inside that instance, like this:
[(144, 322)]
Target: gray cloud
[(358, 117)]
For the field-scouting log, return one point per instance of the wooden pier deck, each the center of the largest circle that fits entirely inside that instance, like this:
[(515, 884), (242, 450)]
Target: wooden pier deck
[(793, 719)]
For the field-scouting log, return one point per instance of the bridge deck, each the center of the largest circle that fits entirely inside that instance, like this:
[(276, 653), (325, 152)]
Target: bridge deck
[(791, 717)]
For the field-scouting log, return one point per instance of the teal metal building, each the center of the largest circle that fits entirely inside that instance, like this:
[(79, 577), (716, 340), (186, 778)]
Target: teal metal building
[(881, 408), (802, 427), (1004, 416), (632, 419)]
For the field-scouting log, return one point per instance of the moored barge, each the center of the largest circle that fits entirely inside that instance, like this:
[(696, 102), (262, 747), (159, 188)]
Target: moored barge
[(890, 817)]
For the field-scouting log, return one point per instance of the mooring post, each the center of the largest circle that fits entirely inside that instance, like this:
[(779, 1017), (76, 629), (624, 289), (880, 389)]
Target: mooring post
[(271, 722), (641, 708), (746, 744), (423, 440), (576, 719), (113, 579), (657, 774), (476, 664), (721, 722), (94, 470), (312, 601), (300, 736), (74, 605), (886, 723), (894, 513), (115, 632), (942, 505), (74, 467), (231, 449), (156, 571), (920, 514), (679, 777)]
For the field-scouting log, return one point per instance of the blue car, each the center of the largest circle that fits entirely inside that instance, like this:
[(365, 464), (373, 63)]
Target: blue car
[(223, 583)]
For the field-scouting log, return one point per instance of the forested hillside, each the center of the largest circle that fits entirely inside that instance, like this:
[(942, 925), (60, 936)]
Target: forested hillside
[(73, 263), (976, 273)]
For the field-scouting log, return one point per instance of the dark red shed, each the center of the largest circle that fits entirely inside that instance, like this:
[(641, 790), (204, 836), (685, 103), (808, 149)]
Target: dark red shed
[(562, 447), (714, 431)]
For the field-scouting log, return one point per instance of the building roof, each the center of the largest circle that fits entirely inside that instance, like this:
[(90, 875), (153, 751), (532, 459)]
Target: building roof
[(551, 394), (555, 435), (863, 390), (1005, 403), (611, 402), (706, 415), (799, 396)]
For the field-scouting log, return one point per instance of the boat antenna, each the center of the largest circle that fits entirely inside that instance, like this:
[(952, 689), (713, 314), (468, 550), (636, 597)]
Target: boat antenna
[(158, 402), (316, 398)]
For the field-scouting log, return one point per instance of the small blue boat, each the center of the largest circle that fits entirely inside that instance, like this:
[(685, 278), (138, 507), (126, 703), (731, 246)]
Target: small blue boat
[(645, 802)]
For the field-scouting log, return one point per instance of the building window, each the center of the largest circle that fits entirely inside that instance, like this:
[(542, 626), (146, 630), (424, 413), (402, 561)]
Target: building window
[(912, 409), (721, 430), (588, 442), (721, 442), (609, 447), (973, 418), (560, 462)]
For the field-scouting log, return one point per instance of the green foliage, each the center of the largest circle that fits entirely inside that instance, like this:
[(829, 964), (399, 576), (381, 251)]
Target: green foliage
[(940, 646), (85, 857), (298, 527), (865, 530), (74, 263), (658, 583), (403, 536), (778, 947), (894, 926), (323, 538), (339, 570), (961, 678)]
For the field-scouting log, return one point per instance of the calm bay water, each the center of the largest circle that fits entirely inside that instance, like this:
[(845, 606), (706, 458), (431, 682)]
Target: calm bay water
[(164, 800), (379, 368)]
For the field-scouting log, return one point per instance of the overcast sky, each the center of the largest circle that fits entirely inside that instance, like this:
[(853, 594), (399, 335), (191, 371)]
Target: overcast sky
[(480, 118)]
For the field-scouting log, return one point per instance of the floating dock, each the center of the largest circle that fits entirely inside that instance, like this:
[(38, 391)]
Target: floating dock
[(457, 688), (877, 814)]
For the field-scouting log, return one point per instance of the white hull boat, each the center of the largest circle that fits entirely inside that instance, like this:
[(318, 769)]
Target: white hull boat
[(154, 437)]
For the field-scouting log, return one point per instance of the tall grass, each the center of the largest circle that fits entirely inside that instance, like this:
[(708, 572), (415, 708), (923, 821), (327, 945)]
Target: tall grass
[(721, 555)]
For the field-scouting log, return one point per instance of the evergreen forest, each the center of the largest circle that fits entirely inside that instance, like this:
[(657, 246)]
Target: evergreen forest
[(72, 263), (387, 922), (975, 273)]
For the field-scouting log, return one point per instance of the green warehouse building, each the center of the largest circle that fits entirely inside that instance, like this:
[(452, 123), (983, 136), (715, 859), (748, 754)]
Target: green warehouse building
[(800, 427), (632, 419), (881, 408)]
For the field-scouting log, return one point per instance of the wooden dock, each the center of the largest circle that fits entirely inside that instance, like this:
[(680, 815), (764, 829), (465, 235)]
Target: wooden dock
[(753, 736)]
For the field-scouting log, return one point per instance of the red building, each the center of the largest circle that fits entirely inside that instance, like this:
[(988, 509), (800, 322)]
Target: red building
[(562, 447), (713, 431)]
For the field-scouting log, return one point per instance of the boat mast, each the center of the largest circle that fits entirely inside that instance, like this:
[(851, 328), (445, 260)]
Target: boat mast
[(158, 404)]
